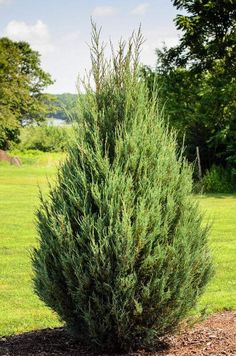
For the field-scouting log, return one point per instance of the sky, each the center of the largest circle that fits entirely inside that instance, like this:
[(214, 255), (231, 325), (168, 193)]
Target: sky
[(60, 31)]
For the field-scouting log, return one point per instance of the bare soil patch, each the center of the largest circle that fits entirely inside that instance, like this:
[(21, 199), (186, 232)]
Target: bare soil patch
[(215, 336)]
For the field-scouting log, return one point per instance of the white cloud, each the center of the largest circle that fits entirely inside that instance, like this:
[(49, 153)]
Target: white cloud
[(36, 34), (101, 11), (4, 2), (141, 9)]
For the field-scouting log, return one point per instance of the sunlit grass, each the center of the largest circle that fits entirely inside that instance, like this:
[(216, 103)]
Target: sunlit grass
[(20, 309), (221, 291)]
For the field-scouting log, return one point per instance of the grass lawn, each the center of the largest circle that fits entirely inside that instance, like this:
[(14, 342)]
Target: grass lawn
[(20, 310), (221, 291)]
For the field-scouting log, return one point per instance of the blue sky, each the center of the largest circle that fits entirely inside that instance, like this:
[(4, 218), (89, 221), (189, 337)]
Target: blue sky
[(60, 30)]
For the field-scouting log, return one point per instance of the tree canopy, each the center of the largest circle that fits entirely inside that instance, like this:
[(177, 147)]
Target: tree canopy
[(22, 81), (209, 34), (198, 80)]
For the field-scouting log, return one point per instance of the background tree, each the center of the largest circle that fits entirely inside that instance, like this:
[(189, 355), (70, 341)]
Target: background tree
[(208, 35), (198, 80), (22, 81)]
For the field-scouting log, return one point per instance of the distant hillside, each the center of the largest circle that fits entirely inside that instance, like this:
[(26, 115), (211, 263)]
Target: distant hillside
[(63, 106)]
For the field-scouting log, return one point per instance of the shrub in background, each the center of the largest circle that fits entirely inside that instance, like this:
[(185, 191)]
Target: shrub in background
[(122, 253), (45, 138), (217, 180)]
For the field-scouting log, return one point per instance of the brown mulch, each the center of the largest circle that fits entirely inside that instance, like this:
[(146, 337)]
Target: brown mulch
[(215, 336)]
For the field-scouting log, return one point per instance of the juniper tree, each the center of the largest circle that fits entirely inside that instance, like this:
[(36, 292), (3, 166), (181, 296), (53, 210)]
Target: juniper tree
[(122, 253)]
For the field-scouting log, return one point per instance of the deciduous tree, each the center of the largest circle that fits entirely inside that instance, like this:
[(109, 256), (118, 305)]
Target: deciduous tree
[(198, 79), (22, 82)]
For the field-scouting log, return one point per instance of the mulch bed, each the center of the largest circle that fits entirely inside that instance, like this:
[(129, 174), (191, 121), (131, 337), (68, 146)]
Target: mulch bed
[(215, 336)]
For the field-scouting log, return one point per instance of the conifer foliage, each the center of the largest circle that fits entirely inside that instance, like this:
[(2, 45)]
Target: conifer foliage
[(122, 253)]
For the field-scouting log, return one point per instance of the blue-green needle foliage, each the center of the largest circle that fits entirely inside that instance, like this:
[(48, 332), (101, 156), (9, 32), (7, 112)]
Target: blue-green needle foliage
[(123, 254)]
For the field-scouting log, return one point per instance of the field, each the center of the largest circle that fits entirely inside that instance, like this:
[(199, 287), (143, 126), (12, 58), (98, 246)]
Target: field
[(20, 310)]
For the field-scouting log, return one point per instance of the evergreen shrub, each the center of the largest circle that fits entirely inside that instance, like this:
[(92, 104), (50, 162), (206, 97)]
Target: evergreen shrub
[(122, 253)]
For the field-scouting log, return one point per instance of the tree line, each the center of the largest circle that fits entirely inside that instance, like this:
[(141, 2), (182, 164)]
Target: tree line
[(196, 80)]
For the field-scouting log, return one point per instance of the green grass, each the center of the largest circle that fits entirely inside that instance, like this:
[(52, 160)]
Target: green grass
[(221, 291), (20, 309)]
